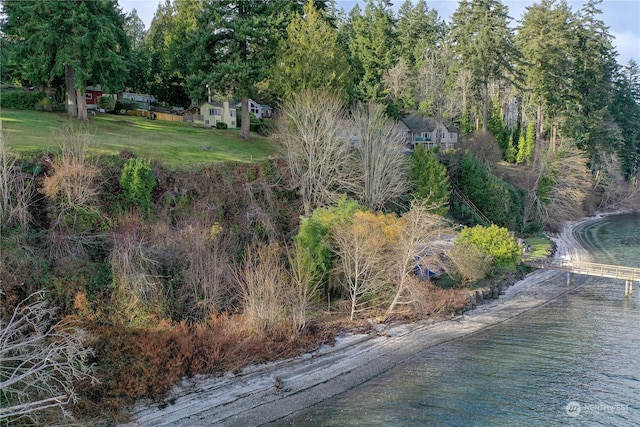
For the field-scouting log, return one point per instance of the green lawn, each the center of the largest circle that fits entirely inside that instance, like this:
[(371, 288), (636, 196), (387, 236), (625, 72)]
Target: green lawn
[(173, 143), (541, 247)]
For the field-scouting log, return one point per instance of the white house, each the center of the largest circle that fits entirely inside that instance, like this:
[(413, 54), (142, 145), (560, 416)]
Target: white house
[(212, 113), (429, 132), (260, 111)]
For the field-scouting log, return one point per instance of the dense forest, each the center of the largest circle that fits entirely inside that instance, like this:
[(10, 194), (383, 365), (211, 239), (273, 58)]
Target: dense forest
[(120, 276)]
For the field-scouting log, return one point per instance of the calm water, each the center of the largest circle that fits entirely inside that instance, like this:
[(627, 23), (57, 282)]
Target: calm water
[(575, 361)]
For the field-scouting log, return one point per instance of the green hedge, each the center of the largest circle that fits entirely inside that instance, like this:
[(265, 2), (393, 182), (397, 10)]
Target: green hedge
[(21, 100)]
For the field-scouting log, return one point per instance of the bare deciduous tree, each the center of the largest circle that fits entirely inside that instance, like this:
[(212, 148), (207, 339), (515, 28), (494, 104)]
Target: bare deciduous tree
[(468, 263), (397, 80), (616, 192), (42, 360), (315, 136), (558, 185), (382, 163), (304, 286), (16, 189), (418, 230), (362, 252), (134, 268), (262, 278), (484, 146), (202, 248), (431, 83)]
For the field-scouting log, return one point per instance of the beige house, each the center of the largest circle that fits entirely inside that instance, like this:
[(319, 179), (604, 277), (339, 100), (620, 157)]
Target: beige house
[(212, 113), (429, 132)]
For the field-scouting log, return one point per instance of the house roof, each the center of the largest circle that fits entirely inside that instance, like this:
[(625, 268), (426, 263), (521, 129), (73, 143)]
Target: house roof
[(215, 104), (419, 124), (238, 104)]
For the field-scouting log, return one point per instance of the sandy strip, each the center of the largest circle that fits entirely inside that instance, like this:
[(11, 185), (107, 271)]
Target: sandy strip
[(252, 398)]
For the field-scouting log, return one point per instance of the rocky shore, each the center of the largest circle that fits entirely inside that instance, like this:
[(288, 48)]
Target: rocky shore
[(269, 394)]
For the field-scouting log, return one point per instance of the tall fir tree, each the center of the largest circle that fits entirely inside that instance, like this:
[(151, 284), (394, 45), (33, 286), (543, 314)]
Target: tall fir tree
[(420, 31), (625, 111), (236, 42), (310, 57), (83, 42), (587, 117), (484, 44), (374, 47), (546, 39), (429, 179)]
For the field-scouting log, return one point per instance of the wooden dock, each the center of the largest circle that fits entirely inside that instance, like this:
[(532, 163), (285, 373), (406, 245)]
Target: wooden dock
[(628, 274)]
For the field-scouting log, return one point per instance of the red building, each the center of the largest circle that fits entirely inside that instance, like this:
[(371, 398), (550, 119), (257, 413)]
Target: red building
[(91, 95)]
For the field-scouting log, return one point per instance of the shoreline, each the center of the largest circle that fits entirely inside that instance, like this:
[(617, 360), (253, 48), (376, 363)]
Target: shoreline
[(276, 391)]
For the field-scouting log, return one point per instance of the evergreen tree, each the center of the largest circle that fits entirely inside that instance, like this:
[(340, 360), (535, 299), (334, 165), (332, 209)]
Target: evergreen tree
[(546, 40), (374, 47), (587, 117), (484, 43), (236, 42), (429, 180), (530, 143), (510, 153), (83, 42), (420, 30), (625, 110), (310, 57), (169, 50), (522, 149), (137, 64)]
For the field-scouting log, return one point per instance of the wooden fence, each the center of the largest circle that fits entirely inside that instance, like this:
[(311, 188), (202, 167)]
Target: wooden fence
[(156, 115)]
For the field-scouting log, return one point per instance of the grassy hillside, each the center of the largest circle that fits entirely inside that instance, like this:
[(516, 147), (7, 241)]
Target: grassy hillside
[(172, 143)]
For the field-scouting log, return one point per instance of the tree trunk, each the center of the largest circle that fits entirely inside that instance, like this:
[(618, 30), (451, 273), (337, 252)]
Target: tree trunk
[(485, 107), (82, 105), (70, 83), (539, 137), (246, 121)]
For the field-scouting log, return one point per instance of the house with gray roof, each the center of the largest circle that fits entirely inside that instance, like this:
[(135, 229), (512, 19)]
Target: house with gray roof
[(429, 132)]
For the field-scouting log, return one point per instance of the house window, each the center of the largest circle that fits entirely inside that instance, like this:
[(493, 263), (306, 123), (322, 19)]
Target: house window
[(442, 135), (206, 122), (211, 112), (217, 112), (232, 113), (88, 96), (451, 136)]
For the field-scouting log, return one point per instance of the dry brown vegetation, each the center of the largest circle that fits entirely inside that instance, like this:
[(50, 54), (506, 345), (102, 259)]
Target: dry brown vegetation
[(484, 147), (73, 186)]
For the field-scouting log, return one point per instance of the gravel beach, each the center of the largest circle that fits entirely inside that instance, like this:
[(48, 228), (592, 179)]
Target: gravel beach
[(271, 392)]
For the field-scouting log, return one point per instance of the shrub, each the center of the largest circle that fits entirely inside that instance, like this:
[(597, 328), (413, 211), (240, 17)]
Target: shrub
[(484, 147), (313, 235), (46, 104), (494, 241), (137, 181), (21, 100), (221, 125), (73, 186), (430, 180), (496, 199), (123, 106), (469, 263), (107, 103)]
